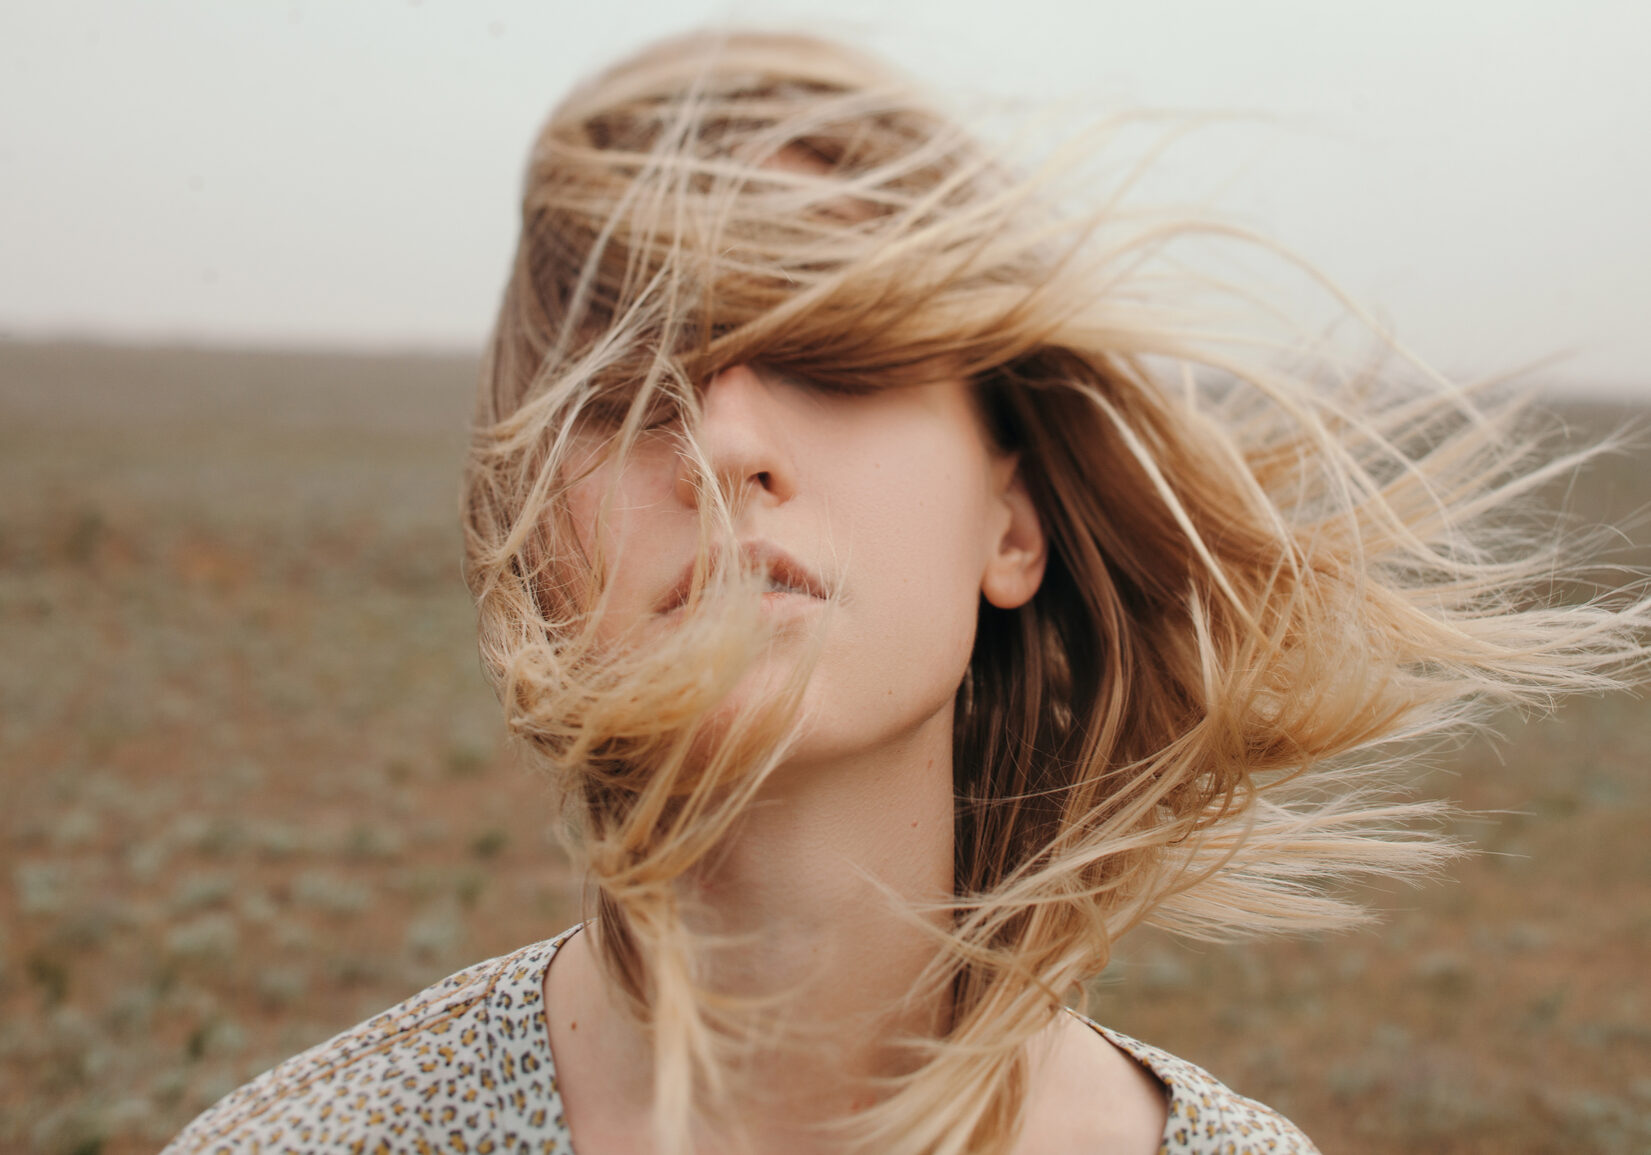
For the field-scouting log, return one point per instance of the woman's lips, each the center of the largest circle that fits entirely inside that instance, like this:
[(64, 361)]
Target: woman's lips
[(789, 577)]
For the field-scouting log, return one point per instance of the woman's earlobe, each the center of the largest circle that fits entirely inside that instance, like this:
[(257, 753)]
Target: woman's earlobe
[(1015, 570)]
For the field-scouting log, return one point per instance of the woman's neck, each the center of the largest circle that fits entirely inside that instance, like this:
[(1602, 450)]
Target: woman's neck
[(810, 897)]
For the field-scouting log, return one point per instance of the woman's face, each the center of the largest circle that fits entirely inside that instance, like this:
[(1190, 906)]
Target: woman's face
[(881, 518)]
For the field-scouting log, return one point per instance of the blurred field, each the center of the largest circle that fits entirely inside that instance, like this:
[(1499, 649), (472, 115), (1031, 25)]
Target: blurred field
[(252, 788)]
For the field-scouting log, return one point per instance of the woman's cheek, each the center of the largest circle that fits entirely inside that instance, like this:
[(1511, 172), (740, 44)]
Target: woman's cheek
[(935, 600), (623, 517)]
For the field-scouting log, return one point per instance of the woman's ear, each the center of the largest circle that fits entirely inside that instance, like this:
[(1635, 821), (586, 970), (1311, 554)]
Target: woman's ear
[(1014, 569)]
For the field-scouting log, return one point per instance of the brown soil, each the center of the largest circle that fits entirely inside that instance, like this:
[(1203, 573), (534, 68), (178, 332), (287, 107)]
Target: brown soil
[(254, 789)]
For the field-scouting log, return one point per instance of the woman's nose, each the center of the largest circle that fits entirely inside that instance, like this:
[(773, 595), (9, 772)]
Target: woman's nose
[(744, 435)]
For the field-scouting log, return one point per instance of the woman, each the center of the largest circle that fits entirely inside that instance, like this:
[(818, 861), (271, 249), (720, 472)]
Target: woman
[(910, 596)]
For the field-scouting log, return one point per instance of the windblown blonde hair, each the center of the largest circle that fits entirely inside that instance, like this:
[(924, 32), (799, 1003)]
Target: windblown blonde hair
[(1268, 577)]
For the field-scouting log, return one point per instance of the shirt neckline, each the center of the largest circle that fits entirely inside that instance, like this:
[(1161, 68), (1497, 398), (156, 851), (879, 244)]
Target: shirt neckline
[(528, 983)]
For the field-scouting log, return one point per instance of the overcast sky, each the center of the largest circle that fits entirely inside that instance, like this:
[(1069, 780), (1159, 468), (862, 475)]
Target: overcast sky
[(345, 173)]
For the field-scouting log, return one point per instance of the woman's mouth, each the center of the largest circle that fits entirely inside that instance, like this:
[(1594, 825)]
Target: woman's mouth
[(785, 578)]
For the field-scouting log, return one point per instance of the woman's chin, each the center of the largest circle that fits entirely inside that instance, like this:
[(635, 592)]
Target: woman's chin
[(766, 711)]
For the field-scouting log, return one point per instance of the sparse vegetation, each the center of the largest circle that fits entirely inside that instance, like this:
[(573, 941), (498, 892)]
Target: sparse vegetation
[(254, 789)]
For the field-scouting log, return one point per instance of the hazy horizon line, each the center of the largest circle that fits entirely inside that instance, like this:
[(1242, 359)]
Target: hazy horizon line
[(1547, 383)]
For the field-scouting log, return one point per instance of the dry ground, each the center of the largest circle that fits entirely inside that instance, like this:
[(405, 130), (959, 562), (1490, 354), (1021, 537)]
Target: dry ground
[(252, 788)]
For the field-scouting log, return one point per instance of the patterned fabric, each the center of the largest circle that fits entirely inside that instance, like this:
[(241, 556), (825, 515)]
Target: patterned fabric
[(465, 1067), (1207, 1117), (462, 1067)]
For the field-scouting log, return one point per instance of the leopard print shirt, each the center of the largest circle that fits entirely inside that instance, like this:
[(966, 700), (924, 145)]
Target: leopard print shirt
[(464, 1068)]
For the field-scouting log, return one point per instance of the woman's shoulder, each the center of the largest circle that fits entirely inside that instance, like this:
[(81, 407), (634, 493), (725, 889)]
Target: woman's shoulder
[(1207, 1116), (468, 1057)]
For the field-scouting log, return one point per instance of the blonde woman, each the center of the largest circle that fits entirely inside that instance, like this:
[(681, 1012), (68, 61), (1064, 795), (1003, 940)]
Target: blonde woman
[(909, 595)]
